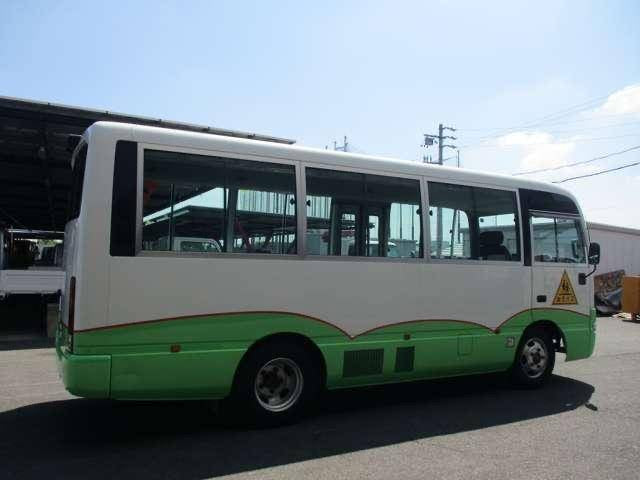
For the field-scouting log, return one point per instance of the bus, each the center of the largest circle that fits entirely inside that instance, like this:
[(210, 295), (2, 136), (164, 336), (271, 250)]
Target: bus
[(330, 270)]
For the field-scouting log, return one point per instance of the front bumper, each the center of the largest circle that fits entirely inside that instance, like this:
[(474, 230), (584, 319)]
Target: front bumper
[(84, 375), (581, 339)]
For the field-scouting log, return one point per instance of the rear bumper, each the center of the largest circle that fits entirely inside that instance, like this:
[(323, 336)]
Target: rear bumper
[(84, 375)]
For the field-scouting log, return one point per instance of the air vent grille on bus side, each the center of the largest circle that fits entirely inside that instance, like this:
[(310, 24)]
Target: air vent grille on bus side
[(363, 362), (404, 359)]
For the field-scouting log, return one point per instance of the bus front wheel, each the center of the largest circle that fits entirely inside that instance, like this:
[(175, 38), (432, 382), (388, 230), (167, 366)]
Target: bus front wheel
[(274, 384), (535, 358)]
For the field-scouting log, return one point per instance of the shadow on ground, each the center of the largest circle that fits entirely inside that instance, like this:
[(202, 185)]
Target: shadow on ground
[(102, 439)]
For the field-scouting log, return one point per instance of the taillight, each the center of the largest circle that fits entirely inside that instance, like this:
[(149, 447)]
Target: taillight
[(72, 311)]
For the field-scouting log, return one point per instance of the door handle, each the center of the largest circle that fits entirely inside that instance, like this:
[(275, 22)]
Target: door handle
[(541, 298), (582, 278)]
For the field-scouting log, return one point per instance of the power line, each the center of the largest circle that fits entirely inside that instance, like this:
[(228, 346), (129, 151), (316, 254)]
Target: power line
[(578, 163), (555, 122), (556, 142), (554, 116), (569, 111), (550, 118), (586, 129), (601, 172)]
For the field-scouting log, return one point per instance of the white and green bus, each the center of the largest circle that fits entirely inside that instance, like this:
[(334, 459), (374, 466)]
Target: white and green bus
[(327, 270)]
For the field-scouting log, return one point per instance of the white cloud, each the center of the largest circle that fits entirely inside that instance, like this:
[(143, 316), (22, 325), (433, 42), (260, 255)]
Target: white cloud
[(622, 102), (542, 150), (520, 139), (548, 156), (539, 149)]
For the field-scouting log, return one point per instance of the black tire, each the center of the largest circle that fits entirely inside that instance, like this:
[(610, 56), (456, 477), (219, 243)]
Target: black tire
[(535, 358), (273, 361)]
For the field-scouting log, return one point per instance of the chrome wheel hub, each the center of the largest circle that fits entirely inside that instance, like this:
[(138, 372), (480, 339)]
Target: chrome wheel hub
[(278, 384), (534, 358)]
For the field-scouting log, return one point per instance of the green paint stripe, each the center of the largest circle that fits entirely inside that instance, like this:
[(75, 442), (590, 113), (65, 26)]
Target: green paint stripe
[(141, 365), (239, 330)]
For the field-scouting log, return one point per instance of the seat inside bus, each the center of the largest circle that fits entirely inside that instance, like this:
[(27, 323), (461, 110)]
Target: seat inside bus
[(491, 246)]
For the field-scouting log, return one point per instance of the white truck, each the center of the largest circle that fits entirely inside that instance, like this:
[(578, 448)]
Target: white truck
[(43, 281), (45, 277)]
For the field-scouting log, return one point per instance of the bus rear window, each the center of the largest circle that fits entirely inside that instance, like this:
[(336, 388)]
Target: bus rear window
[(77, 177)]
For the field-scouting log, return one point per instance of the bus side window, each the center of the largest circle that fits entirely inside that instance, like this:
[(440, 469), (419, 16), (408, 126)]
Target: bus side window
[(354, 214), (394, 217), (217, 204), (264, 217), (454, 241), (183, 196), (449, 220), (473, 223), (333, 212), (557, 240), (535, 202), (498, 225)]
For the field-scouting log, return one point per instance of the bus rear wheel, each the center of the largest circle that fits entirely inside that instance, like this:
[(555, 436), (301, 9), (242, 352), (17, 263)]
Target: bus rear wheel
[(274, 385), (535, 358)]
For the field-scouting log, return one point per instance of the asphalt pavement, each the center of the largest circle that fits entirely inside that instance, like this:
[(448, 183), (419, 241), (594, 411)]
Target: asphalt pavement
[(585, 424)]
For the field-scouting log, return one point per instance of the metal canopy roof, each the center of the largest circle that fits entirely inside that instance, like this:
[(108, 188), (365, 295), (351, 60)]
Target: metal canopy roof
[(35, 172)]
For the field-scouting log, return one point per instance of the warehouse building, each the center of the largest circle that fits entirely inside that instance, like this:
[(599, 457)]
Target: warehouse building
[(35, 183)]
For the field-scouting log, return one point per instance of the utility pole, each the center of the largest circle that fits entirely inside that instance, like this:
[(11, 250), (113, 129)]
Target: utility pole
[(440, 144), (342, 148), (428, 141)]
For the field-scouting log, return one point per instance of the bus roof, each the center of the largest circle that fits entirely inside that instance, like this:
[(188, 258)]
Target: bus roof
[(257, 148)]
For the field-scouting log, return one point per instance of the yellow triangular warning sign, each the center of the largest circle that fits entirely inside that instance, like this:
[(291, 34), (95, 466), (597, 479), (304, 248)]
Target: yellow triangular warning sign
[(565, 294)]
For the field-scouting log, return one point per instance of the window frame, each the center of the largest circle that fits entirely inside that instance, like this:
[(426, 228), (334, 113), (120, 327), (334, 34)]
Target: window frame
[(461, 261), (565, 216), (142, 146), (365, 171)]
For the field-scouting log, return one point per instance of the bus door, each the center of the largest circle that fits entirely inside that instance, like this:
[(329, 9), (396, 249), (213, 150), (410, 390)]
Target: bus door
[(559, 262)]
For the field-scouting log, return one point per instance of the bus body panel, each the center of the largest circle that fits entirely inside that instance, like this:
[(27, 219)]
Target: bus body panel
[(364, 295), (176, 325)]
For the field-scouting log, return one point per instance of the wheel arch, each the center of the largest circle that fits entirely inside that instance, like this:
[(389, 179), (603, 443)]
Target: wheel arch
[(294, 338), (557, 335)]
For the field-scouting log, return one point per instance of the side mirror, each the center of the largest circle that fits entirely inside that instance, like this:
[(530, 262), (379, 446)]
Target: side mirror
[(594, 253)]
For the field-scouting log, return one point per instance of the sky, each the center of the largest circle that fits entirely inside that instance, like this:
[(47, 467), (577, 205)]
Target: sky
[(527, 85)]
